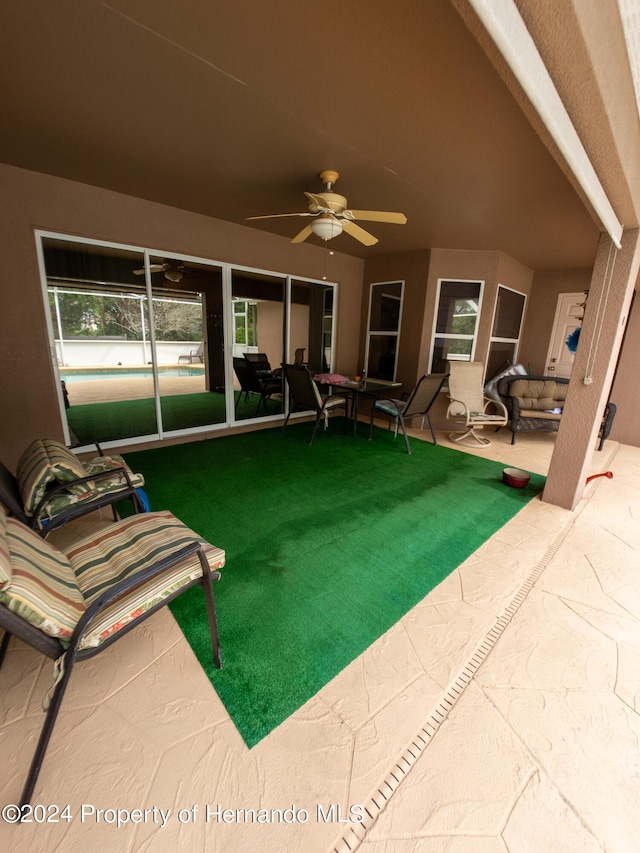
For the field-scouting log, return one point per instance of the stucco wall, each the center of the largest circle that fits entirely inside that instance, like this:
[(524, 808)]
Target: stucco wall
[(541, 312), (35, 201), (625, 392), (412, 268)]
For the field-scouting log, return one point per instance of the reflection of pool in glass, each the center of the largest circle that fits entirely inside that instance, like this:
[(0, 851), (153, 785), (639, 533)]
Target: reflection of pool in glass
[(93, 374)]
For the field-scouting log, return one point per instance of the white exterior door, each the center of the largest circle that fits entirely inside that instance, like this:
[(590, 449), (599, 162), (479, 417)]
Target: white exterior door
[(569, 312)]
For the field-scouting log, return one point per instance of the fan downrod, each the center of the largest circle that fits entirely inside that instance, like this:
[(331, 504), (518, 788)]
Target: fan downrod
[(329, 178)]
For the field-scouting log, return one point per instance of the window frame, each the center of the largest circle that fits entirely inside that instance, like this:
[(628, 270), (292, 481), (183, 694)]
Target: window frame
[(435, 335), (506, 340), (379, 333), (147, 257)]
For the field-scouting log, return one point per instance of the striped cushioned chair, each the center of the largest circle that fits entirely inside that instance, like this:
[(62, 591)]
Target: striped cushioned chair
[(52, 486), (72, 604)]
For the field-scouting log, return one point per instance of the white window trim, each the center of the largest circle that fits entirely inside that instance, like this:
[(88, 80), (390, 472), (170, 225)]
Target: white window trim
[(516, 341), (375, 332), (448, 335)]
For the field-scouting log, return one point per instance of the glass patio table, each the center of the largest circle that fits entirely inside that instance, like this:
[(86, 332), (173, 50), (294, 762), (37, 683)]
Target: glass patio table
[(369, 388)]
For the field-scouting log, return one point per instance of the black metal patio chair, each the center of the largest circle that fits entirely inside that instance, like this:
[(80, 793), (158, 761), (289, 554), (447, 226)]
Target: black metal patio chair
[(418, 403)]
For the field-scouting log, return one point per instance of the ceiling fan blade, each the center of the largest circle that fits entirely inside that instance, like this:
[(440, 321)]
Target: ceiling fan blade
[(302, 236), (277, 215), (319, 201), (358, 232), (378, 216), (152, 268)]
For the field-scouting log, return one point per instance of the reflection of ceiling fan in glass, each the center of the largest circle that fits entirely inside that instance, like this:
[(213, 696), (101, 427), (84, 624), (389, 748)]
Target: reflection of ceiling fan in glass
[(172, 272), (331, 217)]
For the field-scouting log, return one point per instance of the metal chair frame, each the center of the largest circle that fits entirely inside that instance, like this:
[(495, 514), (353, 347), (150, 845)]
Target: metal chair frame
[(52, 647)]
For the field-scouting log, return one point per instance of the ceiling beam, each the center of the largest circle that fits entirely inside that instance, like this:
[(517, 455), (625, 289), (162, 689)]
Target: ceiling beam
[(503, 23)]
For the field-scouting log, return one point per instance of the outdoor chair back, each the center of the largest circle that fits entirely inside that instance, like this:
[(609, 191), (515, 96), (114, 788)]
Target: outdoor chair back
[(304, 394), (418, 403)]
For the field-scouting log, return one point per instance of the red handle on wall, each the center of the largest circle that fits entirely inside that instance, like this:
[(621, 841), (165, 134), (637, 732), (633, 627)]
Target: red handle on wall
[(608, 474)]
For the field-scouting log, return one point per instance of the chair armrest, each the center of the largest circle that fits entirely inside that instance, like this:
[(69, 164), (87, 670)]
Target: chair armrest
[(501, 408), (61, 488), (465, 408)]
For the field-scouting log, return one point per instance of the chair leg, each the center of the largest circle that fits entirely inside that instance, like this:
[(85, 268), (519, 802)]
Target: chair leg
[(470, 434), (433, 434), (207, 585), (3, 646), (315, 427), (45, 734), (136, 503), (404, 430)]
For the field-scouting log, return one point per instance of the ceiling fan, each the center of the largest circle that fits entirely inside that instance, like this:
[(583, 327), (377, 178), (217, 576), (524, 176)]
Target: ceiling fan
[(331, 217), (172, 272)]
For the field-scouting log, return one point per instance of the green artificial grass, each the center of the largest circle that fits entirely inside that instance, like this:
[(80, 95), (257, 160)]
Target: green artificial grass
[(327, 547), (129, 418)]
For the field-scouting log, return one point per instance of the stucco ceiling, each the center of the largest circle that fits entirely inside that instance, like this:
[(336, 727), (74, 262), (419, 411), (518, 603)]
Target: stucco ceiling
[(231, 109)]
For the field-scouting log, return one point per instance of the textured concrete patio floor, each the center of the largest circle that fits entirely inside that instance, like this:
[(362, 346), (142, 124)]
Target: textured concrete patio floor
[(501, 714)]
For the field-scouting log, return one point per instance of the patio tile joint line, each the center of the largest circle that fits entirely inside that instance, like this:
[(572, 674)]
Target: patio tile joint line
[(355, 834)]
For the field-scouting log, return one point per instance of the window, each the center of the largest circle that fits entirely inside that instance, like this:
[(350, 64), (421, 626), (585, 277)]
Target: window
[(143, 343), (244, 316), (455, 325), (383, 333), (505, 333)]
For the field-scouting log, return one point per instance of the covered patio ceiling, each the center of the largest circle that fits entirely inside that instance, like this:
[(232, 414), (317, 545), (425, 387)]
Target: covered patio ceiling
[(232, 109)]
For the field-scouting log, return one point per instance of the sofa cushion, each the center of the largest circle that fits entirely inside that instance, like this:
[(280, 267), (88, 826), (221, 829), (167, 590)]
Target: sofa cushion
[(42, 588), (535, 394), (43, 462), (539, 415), (119, 551)]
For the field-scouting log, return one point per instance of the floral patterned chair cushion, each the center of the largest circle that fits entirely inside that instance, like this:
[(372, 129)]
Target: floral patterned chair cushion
[(48, 476), (43, 462)]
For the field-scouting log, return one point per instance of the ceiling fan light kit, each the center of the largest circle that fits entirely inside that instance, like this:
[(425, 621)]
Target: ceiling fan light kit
[(331, 217), (326, 227)]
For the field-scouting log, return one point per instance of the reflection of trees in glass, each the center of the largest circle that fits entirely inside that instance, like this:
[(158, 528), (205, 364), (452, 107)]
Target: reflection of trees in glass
[(245, 323), (465, 314), (459, 347), (175, 321), (95, 316)]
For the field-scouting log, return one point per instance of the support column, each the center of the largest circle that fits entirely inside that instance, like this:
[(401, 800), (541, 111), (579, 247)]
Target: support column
[(612, 284)]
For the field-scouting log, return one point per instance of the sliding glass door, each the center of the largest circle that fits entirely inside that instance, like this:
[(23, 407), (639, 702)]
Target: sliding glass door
[(100, 317), (258, 302), (147, 344), (311, 325), (188, 326)]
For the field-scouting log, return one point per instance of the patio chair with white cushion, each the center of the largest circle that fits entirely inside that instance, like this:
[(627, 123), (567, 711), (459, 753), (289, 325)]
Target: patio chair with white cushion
[(469, 405), (193, 355)]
